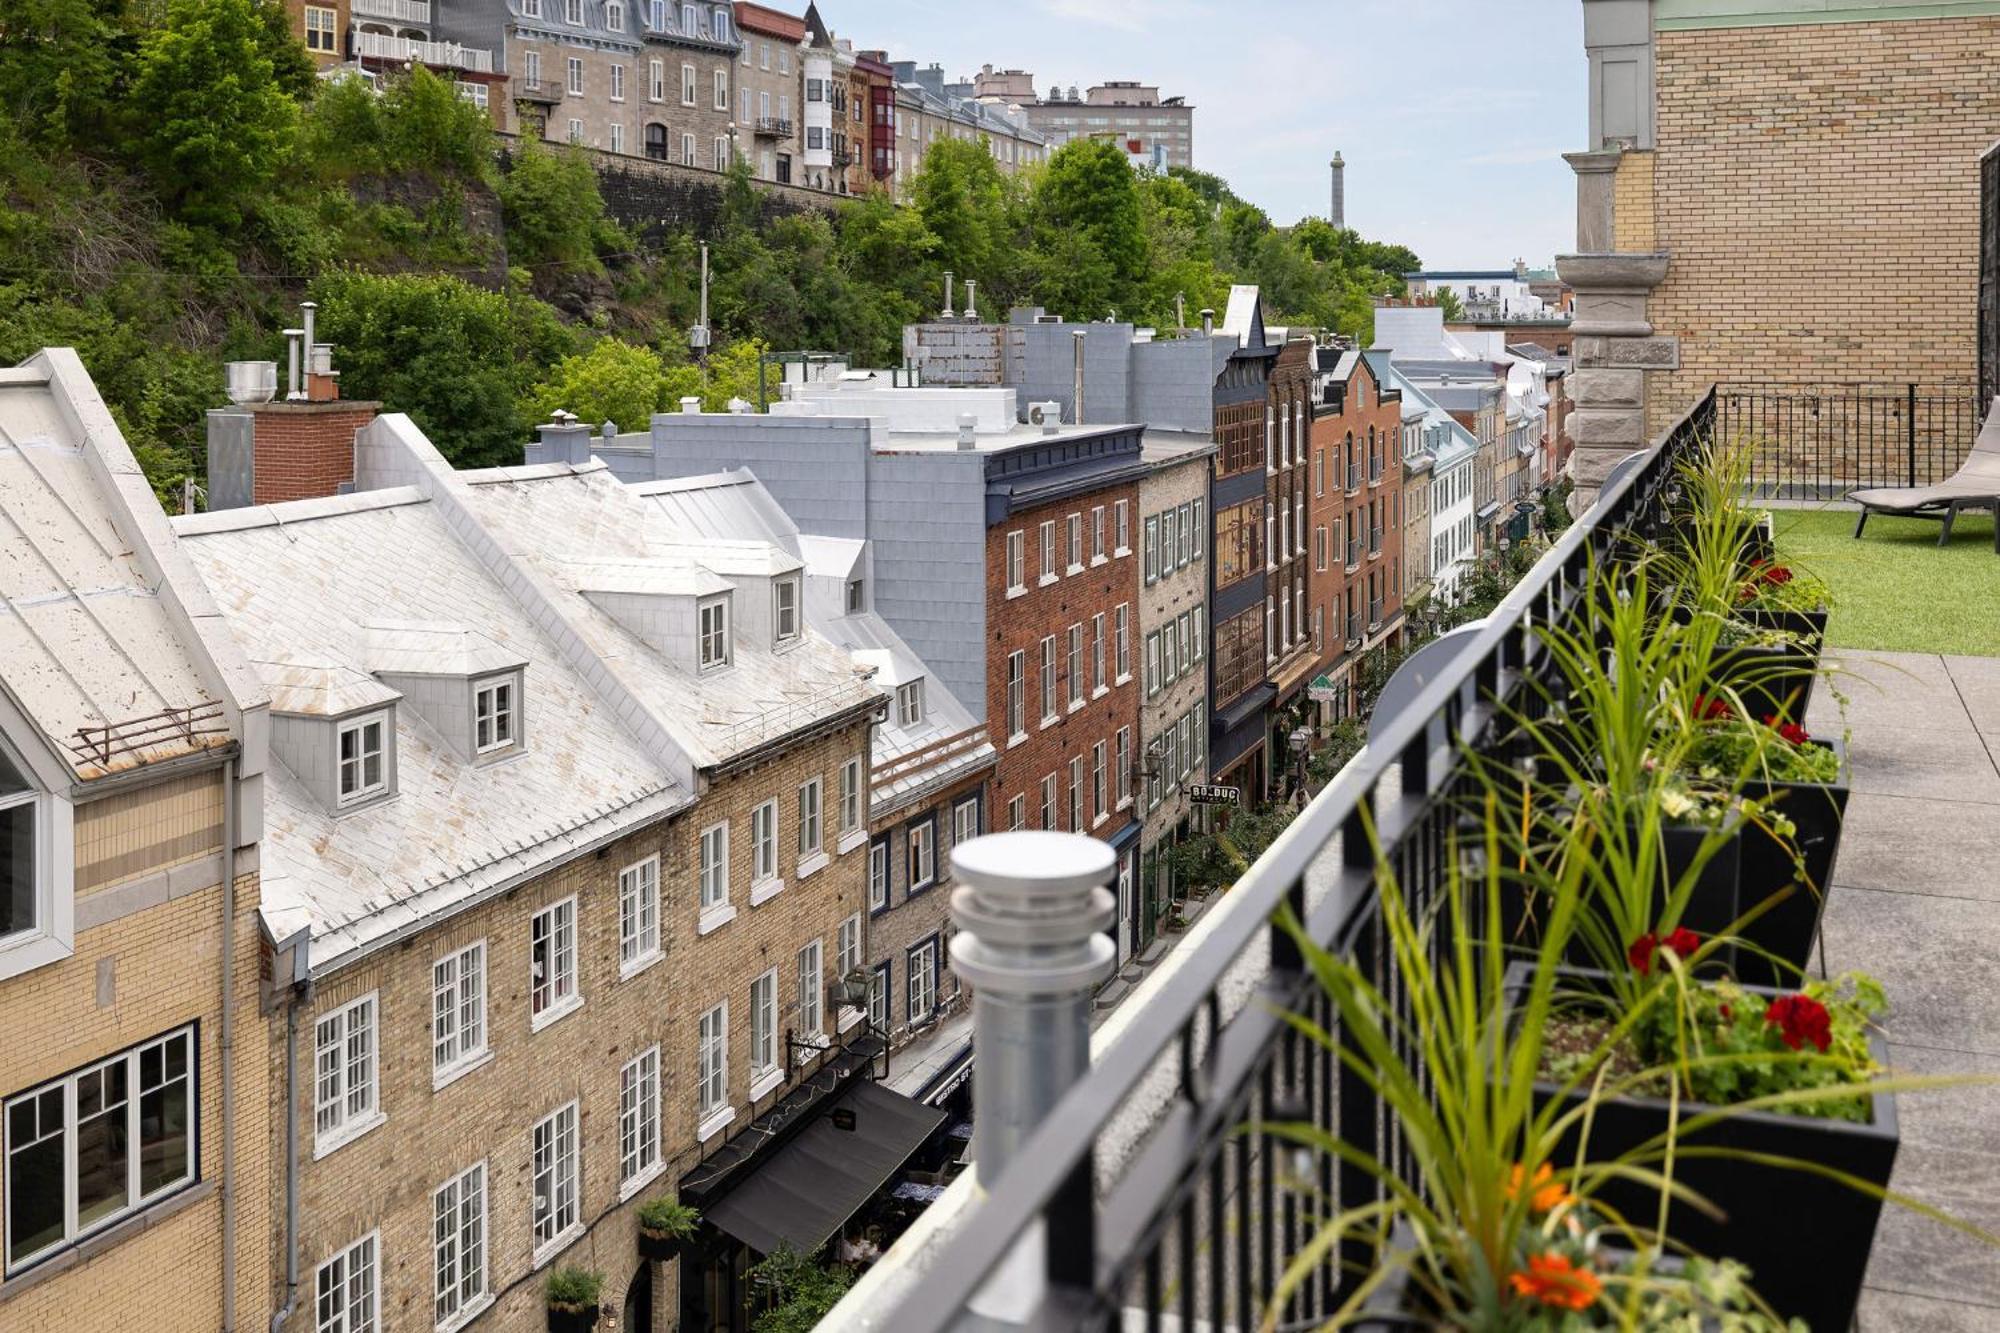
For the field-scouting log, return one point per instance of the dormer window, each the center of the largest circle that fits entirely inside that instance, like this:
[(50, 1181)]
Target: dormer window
[(785, 610), (496, 714), (364, 758), (910, 703), (713, 645), (857, 592), (20, 844)]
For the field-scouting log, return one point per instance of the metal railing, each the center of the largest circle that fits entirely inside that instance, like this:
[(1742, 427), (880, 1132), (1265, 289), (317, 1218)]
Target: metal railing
[(401, 11), (774, 127), (445, 55), (1820, 441), (1145, 1194)]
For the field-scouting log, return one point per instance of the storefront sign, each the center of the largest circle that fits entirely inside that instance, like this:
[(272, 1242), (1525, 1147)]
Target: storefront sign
[(1202, 794)]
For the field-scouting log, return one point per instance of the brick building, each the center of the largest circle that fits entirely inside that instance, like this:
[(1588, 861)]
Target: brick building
[(1000, 553), (1240, 657), (930, 763), (1357, 587), (1173, 633), (767, 89), (1726, 137), (1289, 645), (133, 1083)]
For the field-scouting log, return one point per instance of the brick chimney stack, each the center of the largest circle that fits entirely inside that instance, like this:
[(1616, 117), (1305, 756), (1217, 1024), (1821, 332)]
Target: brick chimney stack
[(267, 449)]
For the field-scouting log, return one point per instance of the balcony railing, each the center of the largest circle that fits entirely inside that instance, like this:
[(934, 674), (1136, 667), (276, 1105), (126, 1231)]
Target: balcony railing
[(1353, 475), (444, 55), (773, 127), (397, 11), (1820, 441), (1148, 1194)]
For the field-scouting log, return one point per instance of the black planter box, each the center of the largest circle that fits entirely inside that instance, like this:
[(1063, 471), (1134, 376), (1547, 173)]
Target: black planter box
[(572, 1319), (1805, 1238), (1771, 681), (1791, 928), (658, 1246)]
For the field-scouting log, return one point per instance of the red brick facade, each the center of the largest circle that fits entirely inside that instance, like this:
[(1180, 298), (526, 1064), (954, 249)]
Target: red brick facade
[(1035, 745), (305, 450), (1288, 632), (1356, 517)]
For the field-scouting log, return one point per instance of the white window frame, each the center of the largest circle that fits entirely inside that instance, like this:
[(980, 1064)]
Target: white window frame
[(496, 713), (656, 81), (59, 1099), (1048, 536), (357, 1270), (574, 77), (339, 1116), (767, 1068), (1122, 767), (1051, 686), (847, 958), (721, 89), (1073, 665), (812, 817), (458, 1013), (1122, 642), (639, 916), (1017, 572), (965, 820), (910, 702), (640, 1158), (920, 976), (763, 847), (1121, 527), (1073, 543), (713, 650), (555, 1181), (322, 29), (811, 977), (782, 615), (363, 791), (1017, 696), (879, 875), (851, 820), (712, 1108), (922, 849), (547, 1000), (617, 83), (712, 863), (687, 85), (460, 1244)]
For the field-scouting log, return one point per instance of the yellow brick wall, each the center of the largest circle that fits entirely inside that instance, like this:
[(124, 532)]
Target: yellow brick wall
[(140, 831), (1632, 204), (384, 1179), (131, 979), (1818, 189)]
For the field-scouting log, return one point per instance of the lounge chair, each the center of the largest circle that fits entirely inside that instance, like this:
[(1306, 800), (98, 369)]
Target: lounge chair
[(1976, 485)]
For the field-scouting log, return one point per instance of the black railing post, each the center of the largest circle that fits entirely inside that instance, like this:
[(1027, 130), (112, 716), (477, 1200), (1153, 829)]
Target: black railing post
[(1910, 431)]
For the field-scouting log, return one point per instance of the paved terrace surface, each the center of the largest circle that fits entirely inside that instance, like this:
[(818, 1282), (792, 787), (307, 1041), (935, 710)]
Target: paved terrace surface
[(1916, 902)]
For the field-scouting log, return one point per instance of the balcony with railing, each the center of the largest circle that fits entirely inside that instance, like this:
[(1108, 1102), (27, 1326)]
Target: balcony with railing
[(414, 12), (1170, 1177), (773, 127), (440, 55)]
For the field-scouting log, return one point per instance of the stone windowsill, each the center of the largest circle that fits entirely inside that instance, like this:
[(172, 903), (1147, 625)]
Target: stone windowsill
[(715, 918), (763, 892)]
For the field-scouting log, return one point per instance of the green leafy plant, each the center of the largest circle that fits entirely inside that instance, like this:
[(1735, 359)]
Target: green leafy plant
[(572, 1288), (1769, 750), (668, 1217), (1781, 587), (795, 1291)]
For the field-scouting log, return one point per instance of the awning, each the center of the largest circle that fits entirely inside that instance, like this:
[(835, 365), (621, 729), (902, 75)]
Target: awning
[(822, 1176)]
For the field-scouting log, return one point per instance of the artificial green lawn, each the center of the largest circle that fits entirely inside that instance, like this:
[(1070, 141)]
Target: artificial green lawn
[(1896, 589)]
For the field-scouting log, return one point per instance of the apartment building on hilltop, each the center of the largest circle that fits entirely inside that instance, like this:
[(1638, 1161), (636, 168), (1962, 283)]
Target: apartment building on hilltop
[(137, 1171), (378, 38), (1153, 131), (767, 90), (928, 110)]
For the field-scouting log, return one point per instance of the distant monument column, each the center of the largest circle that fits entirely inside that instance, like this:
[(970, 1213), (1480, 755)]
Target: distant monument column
[(1338, 215)]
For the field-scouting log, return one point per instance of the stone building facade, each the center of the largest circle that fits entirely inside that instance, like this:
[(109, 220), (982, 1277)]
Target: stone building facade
[(133, 1087), (767, 90), (1729, 133), (1173, 634)]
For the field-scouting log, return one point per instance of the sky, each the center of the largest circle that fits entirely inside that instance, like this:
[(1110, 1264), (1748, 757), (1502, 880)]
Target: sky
[(1451, 115)]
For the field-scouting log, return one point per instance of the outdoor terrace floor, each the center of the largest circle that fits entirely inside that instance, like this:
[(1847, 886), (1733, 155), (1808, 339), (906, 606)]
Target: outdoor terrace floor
[(1916, 903)]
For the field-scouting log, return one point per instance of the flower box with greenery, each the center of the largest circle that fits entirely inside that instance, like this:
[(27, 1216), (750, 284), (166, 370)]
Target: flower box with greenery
[(665, 1227), (572, 1295), (1482, 1221), (1803, 784), (1764, 1105)]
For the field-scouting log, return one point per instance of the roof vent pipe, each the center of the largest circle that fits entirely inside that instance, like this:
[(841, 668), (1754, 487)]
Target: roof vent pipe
[(292, 390), (1207, 321), (691, 406), (971, 297), (947, 296), (1076, 338), (967, 426), (309, 309)]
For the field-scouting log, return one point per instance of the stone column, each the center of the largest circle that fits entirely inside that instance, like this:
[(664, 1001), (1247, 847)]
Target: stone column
[(1613, 344)]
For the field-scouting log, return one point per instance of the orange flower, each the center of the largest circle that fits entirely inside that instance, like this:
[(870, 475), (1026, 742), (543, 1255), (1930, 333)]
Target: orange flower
[(1553, 1280), (1548, 1192)]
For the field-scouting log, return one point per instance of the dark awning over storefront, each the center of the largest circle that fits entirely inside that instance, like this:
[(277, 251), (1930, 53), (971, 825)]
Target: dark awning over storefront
[(823, 1175)]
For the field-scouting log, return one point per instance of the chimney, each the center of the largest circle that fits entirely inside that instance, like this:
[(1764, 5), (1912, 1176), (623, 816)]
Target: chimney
[(948, 313), (321, 380), (300, 447), (971, 301), (968, 426), (292, 390), (1207, 321), (691, 406), (564, 439), (1076, 339)]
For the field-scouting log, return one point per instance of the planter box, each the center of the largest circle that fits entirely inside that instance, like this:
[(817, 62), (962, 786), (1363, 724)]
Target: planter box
[(1772, 682), (1791, 929), (1804, 1237), (572, 1319), (658, 1246)]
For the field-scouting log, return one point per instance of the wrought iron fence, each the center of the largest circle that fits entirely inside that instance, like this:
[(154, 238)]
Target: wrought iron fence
[(1147, 1195), (1820, 441), (1989, 275)]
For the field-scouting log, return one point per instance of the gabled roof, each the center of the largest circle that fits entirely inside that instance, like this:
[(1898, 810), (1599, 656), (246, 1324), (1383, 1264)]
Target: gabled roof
[(313, 685), (1244, 316), (110, 643), (434, 648)]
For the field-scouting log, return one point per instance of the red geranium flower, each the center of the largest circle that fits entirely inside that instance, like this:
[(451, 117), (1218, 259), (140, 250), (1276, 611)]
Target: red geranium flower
[(1640, 953), (1552, 1279), (1801, 1019), (1680, 939), (1788, 731), (1775, 574), (1712, 710)]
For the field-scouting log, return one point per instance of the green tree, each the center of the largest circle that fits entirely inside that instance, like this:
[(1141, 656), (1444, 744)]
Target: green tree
[(963, 201), (60, 64), (210, 121), (796, 1291), (613, 381), (458, 359), (1448, 302), (1088, 231), (291, 64), (552, 207)]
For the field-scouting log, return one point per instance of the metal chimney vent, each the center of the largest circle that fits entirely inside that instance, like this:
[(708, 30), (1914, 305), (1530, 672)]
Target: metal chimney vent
[(250, 381)]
